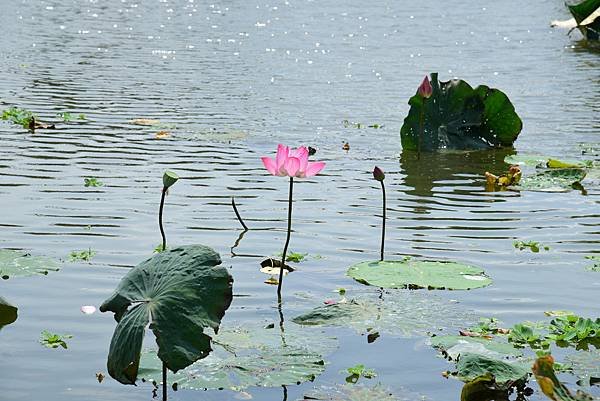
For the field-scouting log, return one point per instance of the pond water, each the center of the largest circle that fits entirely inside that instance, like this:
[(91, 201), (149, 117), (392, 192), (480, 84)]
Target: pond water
[(230, 80)]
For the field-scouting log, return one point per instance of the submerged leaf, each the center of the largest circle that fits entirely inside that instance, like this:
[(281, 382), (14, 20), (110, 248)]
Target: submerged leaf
[(543, 369), (586, 366), (551, 180), (419, 274), (250, 357), (19, 263), (404, 314), (354, 393), (180, 292)]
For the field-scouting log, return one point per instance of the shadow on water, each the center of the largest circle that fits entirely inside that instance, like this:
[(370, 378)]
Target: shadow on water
[(465, 169)]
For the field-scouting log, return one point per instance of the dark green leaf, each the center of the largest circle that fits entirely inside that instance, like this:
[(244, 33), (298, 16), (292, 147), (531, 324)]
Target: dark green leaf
[(456, 116), (180, 292)]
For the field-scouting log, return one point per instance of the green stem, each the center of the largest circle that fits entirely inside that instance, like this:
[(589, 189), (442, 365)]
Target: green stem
[(164, 377), (420, 131), (287, 240), (383, 225), (160, 214)]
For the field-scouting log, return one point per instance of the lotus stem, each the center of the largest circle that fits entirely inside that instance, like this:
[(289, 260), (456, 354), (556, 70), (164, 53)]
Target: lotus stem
[(237, 214), (164, 379), (383, 225), (160, 223), (287, 240), (420, 138)]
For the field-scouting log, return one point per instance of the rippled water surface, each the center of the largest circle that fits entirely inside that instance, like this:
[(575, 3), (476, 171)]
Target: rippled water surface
[(230, 80)]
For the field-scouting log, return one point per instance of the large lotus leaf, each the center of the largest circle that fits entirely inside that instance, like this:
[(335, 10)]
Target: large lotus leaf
[(551, 180), (543, 370), (180, 292), (471, 366), (586, 366), (354, 392), (19, 263), (8, 313), (413, 274), (456, 116), (454, 346), (248, 357), (402, 314), (588, 21)]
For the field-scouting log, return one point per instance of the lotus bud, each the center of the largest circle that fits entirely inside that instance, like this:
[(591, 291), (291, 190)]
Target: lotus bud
[(425, 90), (378, 174), (169, 178)]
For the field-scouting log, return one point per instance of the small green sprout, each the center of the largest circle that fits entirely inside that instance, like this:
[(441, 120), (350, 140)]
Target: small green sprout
[(294, 257), (159, 248), (534, 246), (92, 182), (85, 255), (81, 116), (52, 340), (66, 116), (358, 371)]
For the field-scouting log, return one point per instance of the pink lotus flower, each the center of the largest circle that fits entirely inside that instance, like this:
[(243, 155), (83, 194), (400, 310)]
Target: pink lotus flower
[(425, 90), (292, 163)]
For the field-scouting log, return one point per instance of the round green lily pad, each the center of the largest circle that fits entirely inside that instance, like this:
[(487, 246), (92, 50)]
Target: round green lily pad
[(419, 274), (19, 263)]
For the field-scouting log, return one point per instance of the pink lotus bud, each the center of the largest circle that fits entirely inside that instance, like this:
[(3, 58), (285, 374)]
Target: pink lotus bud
[(425, 90), (378, 174)]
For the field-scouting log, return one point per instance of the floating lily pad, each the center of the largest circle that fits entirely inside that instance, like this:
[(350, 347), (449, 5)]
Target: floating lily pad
[(8, 313), (402, 314), (19, 263), (249, 358), (179, 292), (586, 366), (546, 161), (419, 274), (454, 346), (353, 393), (471, 366), (551, 180)]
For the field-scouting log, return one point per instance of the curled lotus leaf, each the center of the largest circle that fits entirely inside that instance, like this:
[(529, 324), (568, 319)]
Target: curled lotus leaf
[(460, 117), (179, 293), (434, 275), (19, 263), (543, 370)]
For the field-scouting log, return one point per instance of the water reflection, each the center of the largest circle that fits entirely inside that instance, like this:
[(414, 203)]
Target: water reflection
[(460, 173)]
